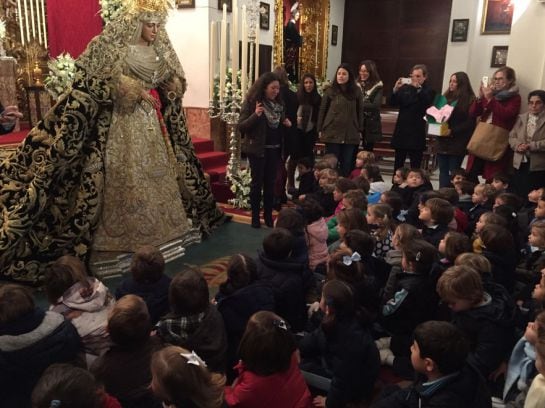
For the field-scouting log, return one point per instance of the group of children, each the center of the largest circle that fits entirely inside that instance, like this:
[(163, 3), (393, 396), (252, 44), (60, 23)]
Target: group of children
[(443, 287)]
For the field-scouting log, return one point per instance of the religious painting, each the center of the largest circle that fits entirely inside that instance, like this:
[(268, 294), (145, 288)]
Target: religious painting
[(499, 56), (497, 16), (264, 15), (334, 34), (185, 3), (460, 28), (292, 39), (229, 5)]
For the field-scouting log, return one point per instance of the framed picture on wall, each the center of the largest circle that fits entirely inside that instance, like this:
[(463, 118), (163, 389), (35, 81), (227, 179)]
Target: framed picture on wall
[(499, 56), (497, 17), (229, 5), (264, 15), (334, 34), (459, 30), (185, 3)]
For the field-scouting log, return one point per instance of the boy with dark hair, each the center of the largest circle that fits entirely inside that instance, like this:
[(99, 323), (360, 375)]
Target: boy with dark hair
[(30, 340), (438, 356), (194, 323), (148, 280), (500, 182), (486, 317), (465, 192), (436, 214), (124, 370), (306, 178), (288, 278), (460, 217), (457, 176)]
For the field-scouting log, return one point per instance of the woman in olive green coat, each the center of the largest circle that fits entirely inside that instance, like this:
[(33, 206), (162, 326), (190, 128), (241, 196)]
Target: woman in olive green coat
[(340, 120)]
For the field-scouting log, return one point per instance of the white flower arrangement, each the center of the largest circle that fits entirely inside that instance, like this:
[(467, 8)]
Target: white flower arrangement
[(240, 186), (228, 93), (61, 75), (110, 9), (2, 29)]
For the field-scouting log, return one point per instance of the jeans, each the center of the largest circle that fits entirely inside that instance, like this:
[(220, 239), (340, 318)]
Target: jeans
[(345, 155), (447, 163), (263, 170)]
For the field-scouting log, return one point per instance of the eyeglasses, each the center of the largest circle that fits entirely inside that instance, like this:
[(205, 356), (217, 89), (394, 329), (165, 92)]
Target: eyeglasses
[(499, 79)]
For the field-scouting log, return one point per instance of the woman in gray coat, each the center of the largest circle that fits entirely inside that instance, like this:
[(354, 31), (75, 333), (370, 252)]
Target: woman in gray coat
[(527, 139), (340, 120)]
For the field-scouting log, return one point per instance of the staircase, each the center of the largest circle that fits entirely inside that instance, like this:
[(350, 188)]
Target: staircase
[(215, 165)]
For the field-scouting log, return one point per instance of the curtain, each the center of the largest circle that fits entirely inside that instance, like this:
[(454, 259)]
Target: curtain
[(71, 24)]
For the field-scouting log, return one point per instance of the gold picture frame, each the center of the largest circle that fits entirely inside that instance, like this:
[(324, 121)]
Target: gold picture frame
[(185, 3), (497, 17)]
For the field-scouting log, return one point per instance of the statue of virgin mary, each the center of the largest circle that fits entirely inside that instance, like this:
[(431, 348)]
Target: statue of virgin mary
[(111, 166)]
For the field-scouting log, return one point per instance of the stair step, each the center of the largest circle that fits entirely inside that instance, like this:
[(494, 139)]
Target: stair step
[(217, 173), (222, 191), (202, 145), (213, 159)]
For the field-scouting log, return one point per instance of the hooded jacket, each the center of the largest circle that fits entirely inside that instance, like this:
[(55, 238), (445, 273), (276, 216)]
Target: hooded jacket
[(317, 243)]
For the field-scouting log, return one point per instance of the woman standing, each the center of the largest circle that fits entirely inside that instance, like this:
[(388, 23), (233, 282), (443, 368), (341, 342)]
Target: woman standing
[(527, 139), (371, 87), (451, 148), (340, 118), (262, 123), (307, 116), (498, 104)]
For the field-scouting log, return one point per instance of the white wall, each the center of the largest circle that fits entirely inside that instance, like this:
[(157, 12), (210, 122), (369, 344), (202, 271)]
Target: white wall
[(526, 52), (336, 17), (189, 31)]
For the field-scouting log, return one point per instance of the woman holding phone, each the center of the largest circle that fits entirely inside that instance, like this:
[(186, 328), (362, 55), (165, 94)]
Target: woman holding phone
[(8, 117), (262, 124)]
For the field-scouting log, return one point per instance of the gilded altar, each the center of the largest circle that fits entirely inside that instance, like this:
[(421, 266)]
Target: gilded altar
[(313, 27)]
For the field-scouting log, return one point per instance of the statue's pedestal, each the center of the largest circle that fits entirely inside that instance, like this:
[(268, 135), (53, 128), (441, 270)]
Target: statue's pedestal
[(8, 83)]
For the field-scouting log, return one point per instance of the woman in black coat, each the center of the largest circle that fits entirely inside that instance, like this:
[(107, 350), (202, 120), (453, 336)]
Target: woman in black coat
[(451, 148), (307, 117), (409, 138), (371, 87), (262, 125)]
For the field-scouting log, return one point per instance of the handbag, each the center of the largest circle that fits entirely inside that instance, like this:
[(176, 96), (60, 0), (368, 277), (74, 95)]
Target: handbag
[(488, 142)]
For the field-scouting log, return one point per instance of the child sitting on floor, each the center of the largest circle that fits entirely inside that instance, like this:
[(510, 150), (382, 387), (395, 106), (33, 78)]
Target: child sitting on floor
[(268, 370), (316, 233), (180, 378), (483, 200), (399, 180), (363, 158), (339, 358), (438, 355), (379, 219), (194, 322), (436, 214), (147, 279)]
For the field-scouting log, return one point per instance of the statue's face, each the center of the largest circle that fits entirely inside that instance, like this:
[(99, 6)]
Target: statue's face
[(149, 31)]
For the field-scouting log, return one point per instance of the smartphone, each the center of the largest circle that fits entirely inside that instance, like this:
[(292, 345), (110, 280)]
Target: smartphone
[(406, 81), (484, 80)]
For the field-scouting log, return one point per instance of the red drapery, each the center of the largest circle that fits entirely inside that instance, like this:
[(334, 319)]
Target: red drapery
[(71, 25)]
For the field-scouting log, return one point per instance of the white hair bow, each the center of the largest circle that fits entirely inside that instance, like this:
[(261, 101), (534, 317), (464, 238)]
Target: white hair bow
[(347, 260), (193, 358)]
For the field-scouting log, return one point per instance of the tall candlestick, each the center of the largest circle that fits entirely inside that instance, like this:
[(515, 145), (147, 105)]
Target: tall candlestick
[(44, 22), (234, 47), (317, 34), (223, 56), (212, 57), (256, 75), (244, 69), (20, 17), (26, 22), (32, 18), (38, 23)]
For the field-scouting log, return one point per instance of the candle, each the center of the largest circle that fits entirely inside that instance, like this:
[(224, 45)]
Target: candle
[(38, 23), (244, 69), (26, 22), (20, 16), (32, 18), (44, 22), (223, 56), (317, 34), (256, 75), (212, 57), (234, 46)]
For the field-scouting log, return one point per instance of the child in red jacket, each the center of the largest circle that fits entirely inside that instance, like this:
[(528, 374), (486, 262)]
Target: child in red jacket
[(268, 372)]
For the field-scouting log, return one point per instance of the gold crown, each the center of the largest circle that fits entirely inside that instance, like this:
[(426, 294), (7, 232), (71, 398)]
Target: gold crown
[(153, 6)]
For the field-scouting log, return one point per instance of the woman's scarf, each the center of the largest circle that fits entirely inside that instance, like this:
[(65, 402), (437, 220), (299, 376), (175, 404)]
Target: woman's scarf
[(273, 112), (505, 94)]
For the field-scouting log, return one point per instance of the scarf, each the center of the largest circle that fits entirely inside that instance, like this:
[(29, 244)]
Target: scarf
[(273, 112), (506, 93)]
